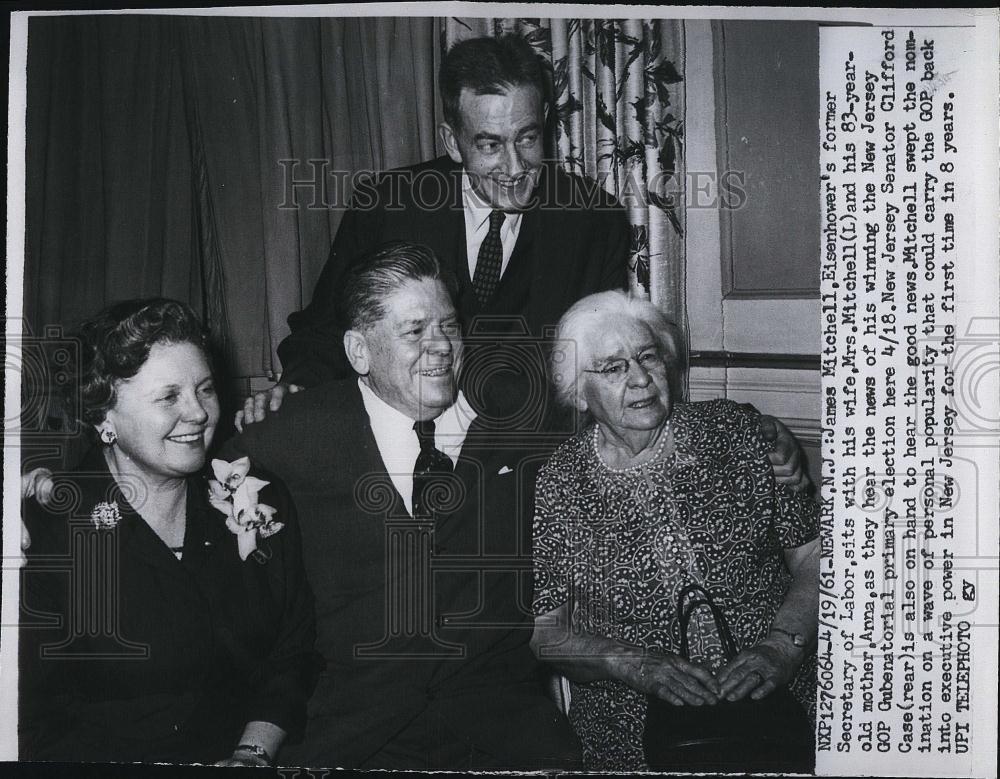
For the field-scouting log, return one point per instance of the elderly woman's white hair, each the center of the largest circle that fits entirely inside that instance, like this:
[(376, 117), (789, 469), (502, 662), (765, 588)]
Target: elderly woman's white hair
[(566, 361)]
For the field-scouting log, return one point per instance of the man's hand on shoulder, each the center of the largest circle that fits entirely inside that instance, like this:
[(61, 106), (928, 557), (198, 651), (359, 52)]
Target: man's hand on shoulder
[(784, 454), (37, 484), (256, 407)]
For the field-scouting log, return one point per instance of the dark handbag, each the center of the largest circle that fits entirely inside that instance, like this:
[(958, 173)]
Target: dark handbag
[(769, 735)]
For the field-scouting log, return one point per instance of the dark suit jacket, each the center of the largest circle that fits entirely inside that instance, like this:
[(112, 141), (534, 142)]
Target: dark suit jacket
[(573, 241), (129, 654), (406, 611)]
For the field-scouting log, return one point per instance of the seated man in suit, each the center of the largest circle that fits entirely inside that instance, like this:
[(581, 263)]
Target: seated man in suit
[(415, 527), (524, 239)]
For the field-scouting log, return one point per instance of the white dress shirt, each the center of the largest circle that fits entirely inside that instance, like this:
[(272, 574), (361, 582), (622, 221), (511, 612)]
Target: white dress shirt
[(477, 226), (397, 440)]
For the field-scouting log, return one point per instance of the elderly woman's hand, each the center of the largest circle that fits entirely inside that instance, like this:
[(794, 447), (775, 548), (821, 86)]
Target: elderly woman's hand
[(672, 678), (759, 671)]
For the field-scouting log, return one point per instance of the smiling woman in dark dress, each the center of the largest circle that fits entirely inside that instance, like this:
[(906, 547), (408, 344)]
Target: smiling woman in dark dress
[(154, 626)]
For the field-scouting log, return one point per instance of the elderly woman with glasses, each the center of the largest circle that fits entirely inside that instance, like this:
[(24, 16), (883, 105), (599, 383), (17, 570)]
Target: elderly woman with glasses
[(656, 498)]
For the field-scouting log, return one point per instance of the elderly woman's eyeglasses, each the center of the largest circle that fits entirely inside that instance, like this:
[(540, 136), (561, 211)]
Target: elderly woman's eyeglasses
[(615, 371)]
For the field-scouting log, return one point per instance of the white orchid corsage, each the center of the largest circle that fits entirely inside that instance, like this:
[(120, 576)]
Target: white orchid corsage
[(234, 493), (106, 515)]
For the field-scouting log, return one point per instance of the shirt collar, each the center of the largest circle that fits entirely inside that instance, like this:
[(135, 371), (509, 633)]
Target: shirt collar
[(477, 211), (451, 425), (381, 413)]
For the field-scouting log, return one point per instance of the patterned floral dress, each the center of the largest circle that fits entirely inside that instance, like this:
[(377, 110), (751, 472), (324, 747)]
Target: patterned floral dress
[(620, 545)]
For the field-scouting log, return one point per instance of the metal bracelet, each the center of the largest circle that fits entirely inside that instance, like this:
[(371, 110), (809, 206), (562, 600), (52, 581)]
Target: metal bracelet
[(256, 751)]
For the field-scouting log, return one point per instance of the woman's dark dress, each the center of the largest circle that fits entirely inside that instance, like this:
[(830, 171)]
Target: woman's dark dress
[(620, 545), (129, 654)]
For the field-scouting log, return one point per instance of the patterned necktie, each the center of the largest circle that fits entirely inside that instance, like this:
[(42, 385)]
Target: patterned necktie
[(487, 275), (430, 464)]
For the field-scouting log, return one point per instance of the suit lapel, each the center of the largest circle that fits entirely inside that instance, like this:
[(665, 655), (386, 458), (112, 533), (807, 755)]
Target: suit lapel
[(135, 537), (447, 234), (369, 457), (526, 238), (206, 533), (138, 541), (455, 237), (548, 252)]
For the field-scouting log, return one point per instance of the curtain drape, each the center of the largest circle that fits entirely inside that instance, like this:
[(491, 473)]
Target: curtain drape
[(207, 159), (619, 101)]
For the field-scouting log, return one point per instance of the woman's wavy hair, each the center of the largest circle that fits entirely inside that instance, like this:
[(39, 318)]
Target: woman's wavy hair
[(115, 344), (597, 310)]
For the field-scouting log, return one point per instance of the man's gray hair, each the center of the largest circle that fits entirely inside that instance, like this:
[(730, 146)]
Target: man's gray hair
[(577, 324), (369, 283)]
